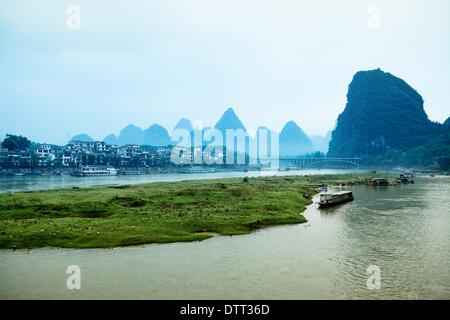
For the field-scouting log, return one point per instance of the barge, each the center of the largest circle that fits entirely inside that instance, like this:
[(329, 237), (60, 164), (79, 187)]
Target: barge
[(377, 182), (333, 198)]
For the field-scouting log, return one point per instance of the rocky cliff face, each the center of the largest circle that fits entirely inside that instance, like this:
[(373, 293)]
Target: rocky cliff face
[(382, 112)]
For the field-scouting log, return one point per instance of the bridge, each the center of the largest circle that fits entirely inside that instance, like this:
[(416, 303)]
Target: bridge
[(308, 162)]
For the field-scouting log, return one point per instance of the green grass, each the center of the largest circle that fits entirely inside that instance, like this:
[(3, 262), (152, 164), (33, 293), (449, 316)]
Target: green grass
[(154, 213)]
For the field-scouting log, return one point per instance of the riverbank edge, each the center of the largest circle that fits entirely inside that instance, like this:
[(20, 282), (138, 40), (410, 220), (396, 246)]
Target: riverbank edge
[(196, 236)]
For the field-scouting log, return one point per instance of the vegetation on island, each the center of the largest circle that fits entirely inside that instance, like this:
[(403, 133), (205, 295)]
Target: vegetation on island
[(110, 216)]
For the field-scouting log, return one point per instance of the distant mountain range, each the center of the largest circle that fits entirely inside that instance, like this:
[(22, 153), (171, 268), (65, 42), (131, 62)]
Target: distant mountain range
[(384, 118), (321, 143), (155, 135), (293, 141)]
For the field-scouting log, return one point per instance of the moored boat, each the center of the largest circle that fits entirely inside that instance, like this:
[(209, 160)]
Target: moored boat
[(90, 171), (377, 182), (333, 198), (403, 179), (129, 172)]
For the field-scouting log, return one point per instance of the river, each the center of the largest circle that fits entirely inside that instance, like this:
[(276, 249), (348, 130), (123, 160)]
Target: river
[(404, 231), (26, 183)]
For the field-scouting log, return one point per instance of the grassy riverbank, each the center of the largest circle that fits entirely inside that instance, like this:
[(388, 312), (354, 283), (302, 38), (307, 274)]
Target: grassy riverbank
[(154, 213)]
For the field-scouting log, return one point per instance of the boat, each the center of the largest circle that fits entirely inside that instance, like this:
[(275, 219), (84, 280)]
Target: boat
[(377, 182), (89, 171), (288, 168), (199, 170), (329, 199), (408, 174), (31, 173), (403, 179), (340, 186), (129, 172), (316, 185), (268, 168)]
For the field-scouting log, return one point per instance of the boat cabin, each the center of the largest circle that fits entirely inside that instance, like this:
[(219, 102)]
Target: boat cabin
[(333, 198)]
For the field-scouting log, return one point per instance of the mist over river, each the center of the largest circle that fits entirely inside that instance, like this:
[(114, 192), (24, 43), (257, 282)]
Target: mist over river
[(404, 230)]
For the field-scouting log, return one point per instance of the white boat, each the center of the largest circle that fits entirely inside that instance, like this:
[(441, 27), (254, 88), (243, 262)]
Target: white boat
[(89, 171)]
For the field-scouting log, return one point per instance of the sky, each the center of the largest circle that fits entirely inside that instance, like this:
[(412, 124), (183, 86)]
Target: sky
[(144, 62)]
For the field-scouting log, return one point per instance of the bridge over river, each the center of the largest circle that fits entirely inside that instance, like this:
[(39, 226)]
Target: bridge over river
[(310, 162)]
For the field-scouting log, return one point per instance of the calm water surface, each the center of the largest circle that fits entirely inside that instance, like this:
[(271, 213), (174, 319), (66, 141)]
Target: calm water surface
[(404, 230), (24, 183)]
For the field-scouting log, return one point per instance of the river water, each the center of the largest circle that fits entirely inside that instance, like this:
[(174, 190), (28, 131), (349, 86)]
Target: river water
[(25, 183), (404, 231)]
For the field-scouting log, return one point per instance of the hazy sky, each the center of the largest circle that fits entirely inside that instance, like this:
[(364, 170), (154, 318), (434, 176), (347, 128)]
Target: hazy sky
[(146, 62)]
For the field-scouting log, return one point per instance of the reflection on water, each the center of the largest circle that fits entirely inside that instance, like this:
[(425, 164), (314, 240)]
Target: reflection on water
[(404, 230)]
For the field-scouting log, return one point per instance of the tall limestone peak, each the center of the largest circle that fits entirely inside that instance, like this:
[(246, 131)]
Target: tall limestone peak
[(183, 123), (156, 135), (293, 141), (382, 112), (82, 137), (130, 135), (229, 120), (110, 139)]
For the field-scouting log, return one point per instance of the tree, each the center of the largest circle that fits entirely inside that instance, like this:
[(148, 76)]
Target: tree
[(84, 160), (444, 163), (34, 160), (116, 161), (23, 163), (135, 161), (91, 159), (8, 162), (16, 143)]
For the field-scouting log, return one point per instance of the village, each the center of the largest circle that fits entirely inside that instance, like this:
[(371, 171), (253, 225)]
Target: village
[(53, 159), (78, 153)]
